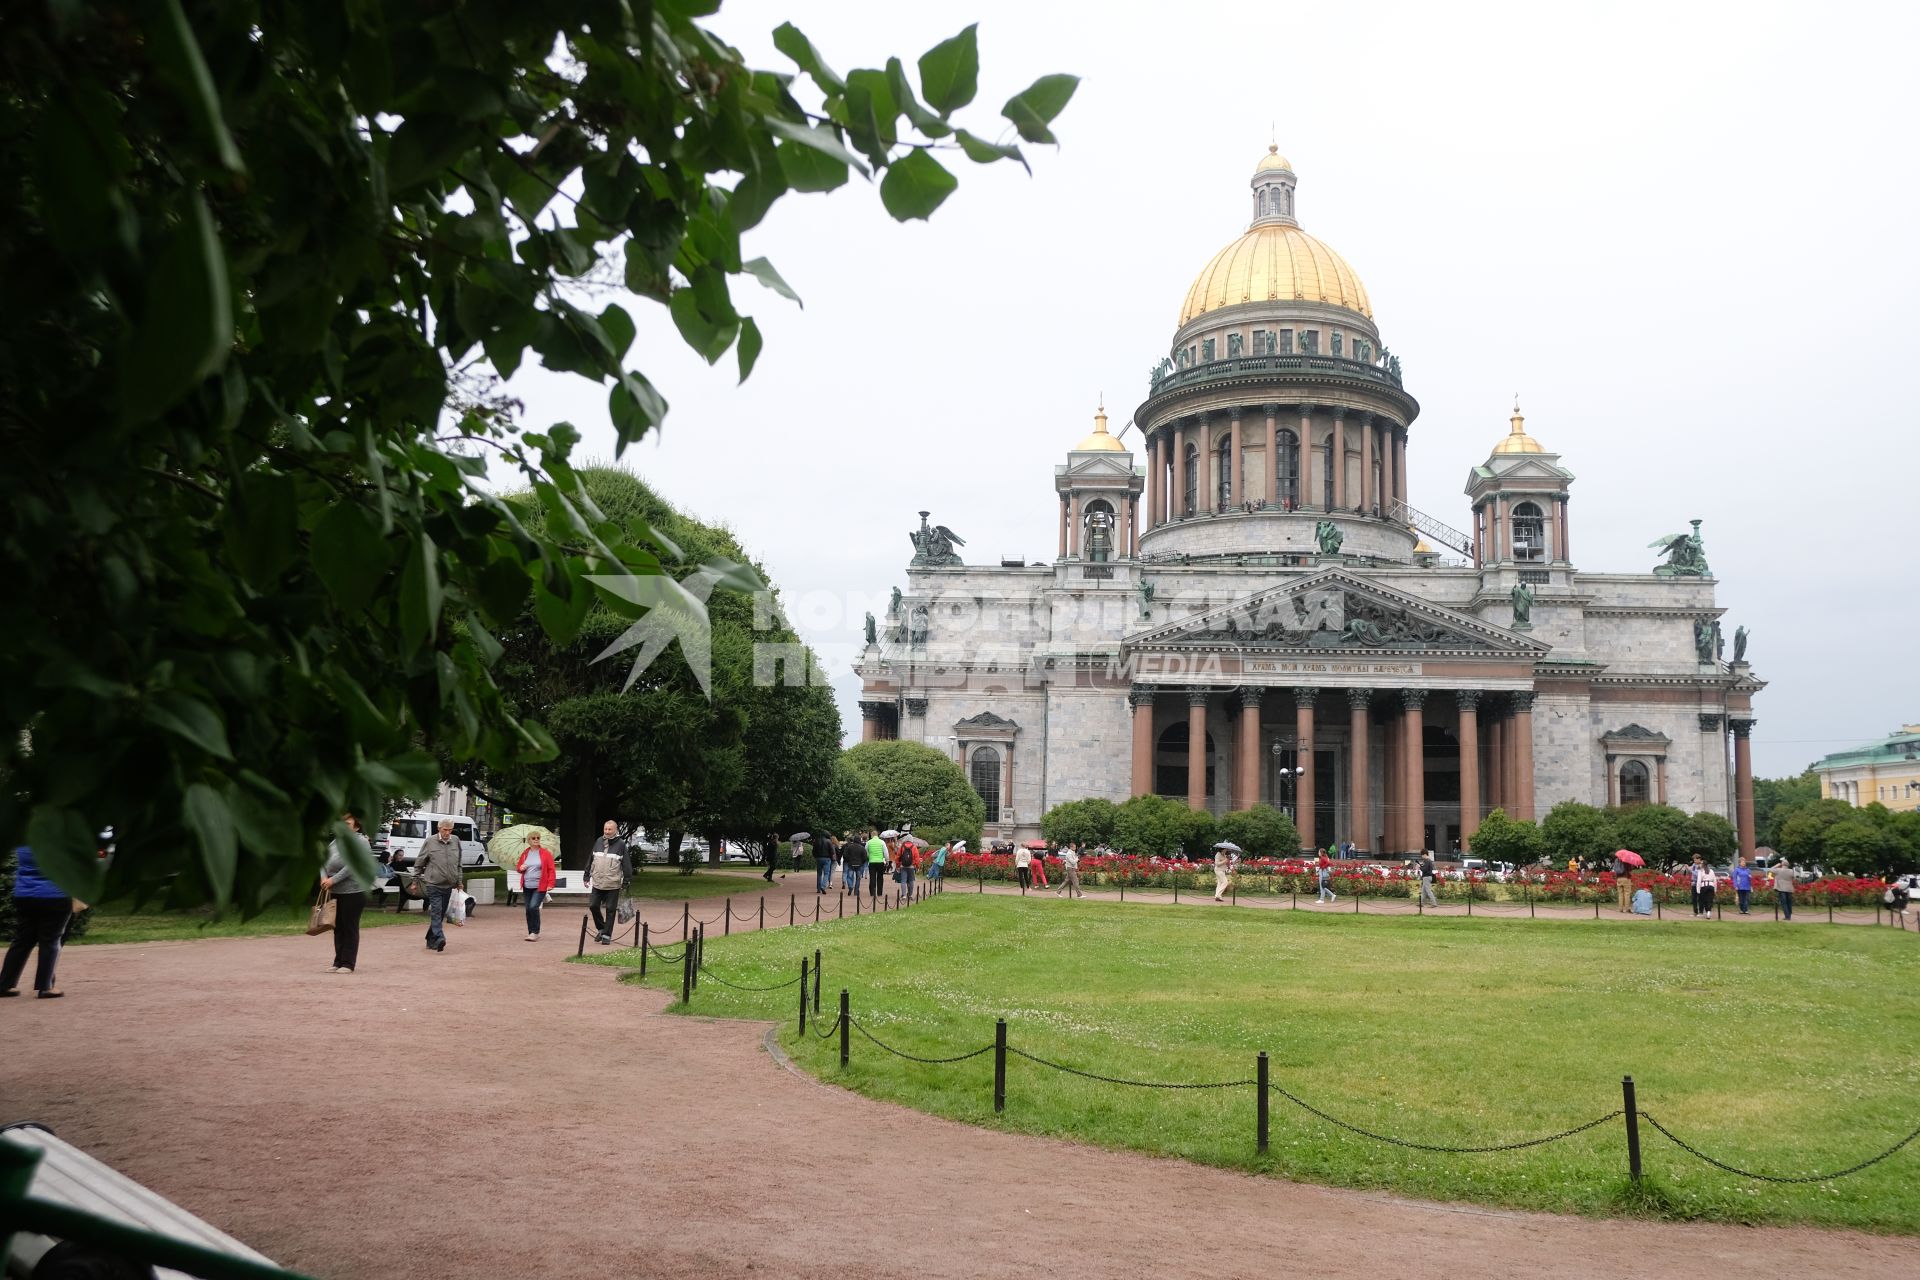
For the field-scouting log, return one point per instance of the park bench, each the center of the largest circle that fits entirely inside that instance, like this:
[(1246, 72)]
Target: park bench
[(566, 884), (97, 1212)]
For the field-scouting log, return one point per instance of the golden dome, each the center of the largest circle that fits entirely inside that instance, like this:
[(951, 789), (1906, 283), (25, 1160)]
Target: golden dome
[(1518, 441), (1100, 441), (1275, 262), (1272, 160), (1422, 549)]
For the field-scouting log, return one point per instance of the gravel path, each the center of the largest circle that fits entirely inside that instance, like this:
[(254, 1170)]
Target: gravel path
[(490, 1111)]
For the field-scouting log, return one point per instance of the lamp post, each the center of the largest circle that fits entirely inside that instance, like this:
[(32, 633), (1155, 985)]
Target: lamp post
[(1291, 774)]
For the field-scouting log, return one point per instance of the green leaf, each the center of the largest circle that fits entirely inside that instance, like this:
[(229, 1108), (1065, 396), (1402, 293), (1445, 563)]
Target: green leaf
[(187, 717), (187, 328), (710, 338), (176, 55), (635, 407), (749, 346), (915, 185), (485, 646), (502, 588), (980, 151), (262, 527), (423, 147), (821, 139), (950, 72), (762, 270), (872, 114), (263, 819), (924, 120), (358, 854), (1033, 108), (618, 326), (561, 617), (206, 815), (67, 848), (349, 554), (413, 774), (419, 593), (789, 40)]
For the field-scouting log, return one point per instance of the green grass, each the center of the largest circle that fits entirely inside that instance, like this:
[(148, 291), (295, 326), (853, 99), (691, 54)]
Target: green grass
[(119, 922), (1789, 1050)]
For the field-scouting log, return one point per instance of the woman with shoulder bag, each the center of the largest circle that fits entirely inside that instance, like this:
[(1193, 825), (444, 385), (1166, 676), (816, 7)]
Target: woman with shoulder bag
[(41, 913), (349, 900), (537, 875)]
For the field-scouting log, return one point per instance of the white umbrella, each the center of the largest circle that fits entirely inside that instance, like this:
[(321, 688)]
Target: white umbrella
[(509, 843), (889, 834), (1228, 845)]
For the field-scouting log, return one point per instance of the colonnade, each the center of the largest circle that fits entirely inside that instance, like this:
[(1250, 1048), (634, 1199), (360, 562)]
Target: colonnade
[(1327, 440)]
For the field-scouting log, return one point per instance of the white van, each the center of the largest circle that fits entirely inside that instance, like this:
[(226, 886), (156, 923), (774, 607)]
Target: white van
[(405, 833)]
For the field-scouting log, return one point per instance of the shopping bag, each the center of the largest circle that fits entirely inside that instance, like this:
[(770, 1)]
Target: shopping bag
[(457, 905), (624, 912), (320, 919)]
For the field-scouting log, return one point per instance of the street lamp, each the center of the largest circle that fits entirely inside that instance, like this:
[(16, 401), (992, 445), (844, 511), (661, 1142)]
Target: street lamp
[(1291, 773)]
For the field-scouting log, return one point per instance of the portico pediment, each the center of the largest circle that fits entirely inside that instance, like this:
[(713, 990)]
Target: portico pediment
[(1337, 610), (1117, 467)]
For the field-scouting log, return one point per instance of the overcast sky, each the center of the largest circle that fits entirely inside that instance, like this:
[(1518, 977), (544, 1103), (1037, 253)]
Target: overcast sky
[(1682, 233)]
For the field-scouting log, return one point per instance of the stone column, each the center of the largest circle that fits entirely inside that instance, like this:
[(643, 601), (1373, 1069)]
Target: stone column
[(1177, 498), (1140, 698), (1613, 780), (1367, 499), (1063, 526), (1133, 526), (1743, 784), (1469, 702), (1496, 763), (1660, 772), (1388, 482), (1392, 739), (1074, 531), (1237, 482), (1337, 458), (869, 721), (1359, 799), (1400, 462), (1197, 749), (1523, 756), (1416, 764), (1008, 816), (1303, 751), (1203, 493), (1153, 480), (1566, 537), (1273, 454), (1246, 787), (1306, 460)]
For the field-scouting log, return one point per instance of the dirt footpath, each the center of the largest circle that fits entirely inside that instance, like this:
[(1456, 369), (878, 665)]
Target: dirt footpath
[(491, 1111)]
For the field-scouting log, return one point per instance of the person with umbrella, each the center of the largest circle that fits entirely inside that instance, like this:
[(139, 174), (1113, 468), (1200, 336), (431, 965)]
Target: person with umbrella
[(1224, 855), (907, 852), (535, 871), (1624, 861)]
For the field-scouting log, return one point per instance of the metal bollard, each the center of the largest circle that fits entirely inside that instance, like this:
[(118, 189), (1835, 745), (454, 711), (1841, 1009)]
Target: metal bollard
[(790, 898), (803, 997), (582, 948), (726, 917), (1260, 1105), (1633, 1127), (763, 911), (816, 981), (686, 974), (1000, 1065), (686, 919), (843, 908), (846, 1019), (643, 948), (638, 925)]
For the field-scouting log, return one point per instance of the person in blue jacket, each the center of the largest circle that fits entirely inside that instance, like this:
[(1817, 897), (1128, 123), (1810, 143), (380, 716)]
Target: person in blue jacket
[(41, 910)]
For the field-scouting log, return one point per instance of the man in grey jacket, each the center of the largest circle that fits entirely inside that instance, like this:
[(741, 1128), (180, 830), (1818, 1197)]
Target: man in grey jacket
[(608, 872), (437, 867)]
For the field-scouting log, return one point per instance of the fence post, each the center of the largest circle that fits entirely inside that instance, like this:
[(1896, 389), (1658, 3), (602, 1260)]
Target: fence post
[(1876, 908), (1633, 1128), (726, 928), (582, 948), (816, 981), (686, 973), (1260, 1105), (1123, 886), (1776, 908), (803, 996), (1000, 1065), (638, 924), (843, 907), (1596, 908), (643, 948), (983, 881), (790, 909), (856, 903), (1357, 886), (1528, 889), (763, 911), (845, 1018), (1176, 886), (686, 918), (699, 953)]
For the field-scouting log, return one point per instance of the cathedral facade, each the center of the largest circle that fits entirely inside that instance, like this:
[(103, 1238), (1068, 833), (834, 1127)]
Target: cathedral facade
[(1249, 611)]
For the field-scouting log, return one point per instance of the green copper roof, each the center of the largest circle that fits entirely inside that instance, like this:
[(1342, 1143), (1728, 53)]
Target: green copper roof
[(1904, 745)]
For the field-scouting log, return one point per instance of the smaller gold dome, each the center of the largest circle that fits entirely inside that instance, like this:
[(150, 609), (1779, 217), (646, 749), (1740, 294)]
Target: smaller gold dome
[(1518, 441), (1100, 441), (1422, 549), (1272, 160)]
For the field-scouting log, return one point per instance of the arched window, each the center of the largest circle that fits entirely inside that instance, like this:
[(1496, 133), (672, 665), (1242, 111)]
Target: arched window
[(1187, 499), (1170, 762), (1099, 530), (1326, 476), (983, 770), (1529, 533), (1633, 783), (1286, 473), (1223, 471)]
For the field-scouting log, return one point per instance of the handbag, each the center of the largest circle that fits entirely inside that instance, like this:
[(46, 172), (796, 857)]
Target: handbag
[(320, 919)]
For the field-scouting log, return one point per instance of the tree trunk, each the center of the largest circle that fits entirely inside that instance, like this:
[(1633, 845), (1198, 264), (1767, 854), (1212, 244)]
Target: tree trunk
[(673, 848), (583, 808)]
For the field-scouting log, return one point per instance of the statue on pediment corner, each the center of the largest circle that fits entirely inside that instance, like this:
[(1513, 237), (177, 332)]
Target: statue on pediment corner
[(1740, 644), (1686, 555), (934, 544), (872, 638), (1328, 535), (1522, 607)]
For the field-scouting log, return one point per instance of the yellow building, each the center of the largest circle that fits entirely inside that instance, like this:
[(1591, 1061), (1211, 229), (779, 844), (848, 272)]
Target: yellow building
[(1885, 772)]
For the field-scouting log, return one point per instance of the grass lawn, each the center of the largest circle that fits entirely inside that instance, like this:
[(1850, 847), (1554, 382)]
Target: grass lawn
[(119, 922), (1784, 1049)]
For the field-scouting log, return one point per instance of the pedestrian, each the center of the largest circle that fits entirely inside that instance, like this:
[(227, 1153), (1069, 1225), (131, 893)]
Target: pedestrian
[(938, 871), (823, 858), (876, 866), (1742, 884), (1022, 866), (1783, 886), (1705, 881), (1222, 873), (1896, 898), (41, 913), (1069, 871), (773, 857), (437, 868), (909, 862), (349, 899), (1623, 883), (609, 871), (537, 874), (1426, 880), (853, 863), (1324, 870), (1040, 869)]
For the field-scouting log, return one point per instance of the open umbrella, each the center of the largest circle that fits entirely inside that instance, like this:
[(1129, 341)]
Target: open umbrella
[(800, 837), (1003, 846), (1036, 844), (1629, 857), (509, 843), (915, 841), (1228, 845), (889, 834)]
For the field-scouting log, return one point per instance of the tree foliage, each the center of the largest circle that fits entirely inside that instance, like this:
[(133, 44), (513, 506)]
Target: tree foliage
[(1504, 839), (912, 782), (1083, 822), (1574, 830), (1160, 826), (1262, 831), (1657, 832), (845, 804), (1712, 837), (261, 260), (1777, 799)]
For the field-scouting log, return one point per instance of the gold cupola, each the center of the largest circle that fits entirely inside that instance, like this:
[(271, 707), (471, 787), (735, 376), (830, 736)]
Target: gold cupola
[(1518, 441), (1275, 261), (1100, 441)]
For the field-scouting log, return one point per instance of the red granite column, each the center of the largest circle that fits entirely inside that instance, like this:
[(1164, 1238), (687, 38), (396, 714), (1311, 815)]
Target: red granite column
[(1141, 700), (1303, 744), (1743, 784), (1613, 780), (1246, 787), (1359, 797), (1523, 756), (1496, 763), (1469, 702), (1133, 526), (1237, 482), (1337, 458), (1178, 496), (1416, 765), (1063, 526), (1393, 737), (1307, 502), (1197, 749), (1400, 463), (1389, 482), (869, 721), (1272, 484)]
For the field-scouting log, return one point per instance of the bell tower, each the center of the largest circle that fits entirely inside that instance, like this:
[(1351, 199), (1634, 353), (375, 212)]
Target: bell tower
[(1519, 497), (1099, 498)]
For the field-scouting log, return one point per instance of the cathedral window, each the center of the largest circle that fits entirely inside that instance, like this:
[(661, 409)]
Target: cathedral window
[(1286, 486), (1633, 783), (1193, 478), (1235, 346), (1529, 533), (984, 772), (1206, 350), (1310, 342), (1223, 496), (1260, 342)]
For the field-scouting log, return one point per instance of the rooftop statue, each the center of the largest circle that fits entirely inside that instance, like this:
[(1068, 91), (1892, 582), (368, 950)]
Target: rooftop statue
[(1705, 633), (1522, 607), (1686, 555), (935, 545), (1739, 644), (893, 605), (1328, 534), (872, 637)]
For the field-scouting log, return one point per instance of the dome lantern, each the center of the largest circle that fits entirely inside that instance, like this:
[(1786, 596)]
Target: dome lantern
[(1518, 441), (1100, 441), (1273, 183)]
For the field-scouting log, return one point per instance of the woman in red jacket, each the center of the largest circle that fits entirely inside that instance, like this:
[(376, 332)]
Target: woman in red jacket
[(535, 870)]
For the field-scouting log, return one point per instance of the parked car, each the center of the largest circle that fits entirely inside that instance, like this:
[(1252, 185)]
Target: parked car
[(404, 835)]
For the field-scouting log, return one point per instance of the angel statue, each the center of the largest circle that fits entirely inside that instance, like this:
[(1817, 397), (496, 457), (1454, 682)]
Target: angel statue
[(1686, 555), (1145, 589), (935, 545), (1328, 534), (1522, 607)]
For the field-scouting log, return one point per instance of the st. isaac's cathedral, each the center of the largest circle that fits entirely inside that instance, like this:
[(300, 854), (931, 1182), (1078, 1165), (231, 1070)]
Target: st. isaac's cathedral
[(1251, 612)]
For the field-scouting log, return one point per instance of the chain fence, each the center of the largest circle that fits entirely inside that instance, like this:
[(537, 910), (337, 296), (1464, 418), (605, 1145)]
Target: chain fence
[(1783, 1180), (1136, 1084), (914, 1057)]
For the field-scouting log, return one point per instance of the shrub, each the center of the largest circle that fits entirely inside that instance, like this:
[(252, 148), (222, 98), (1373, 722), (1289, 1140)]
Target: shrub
[(1262, 831), (1085, 822)]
